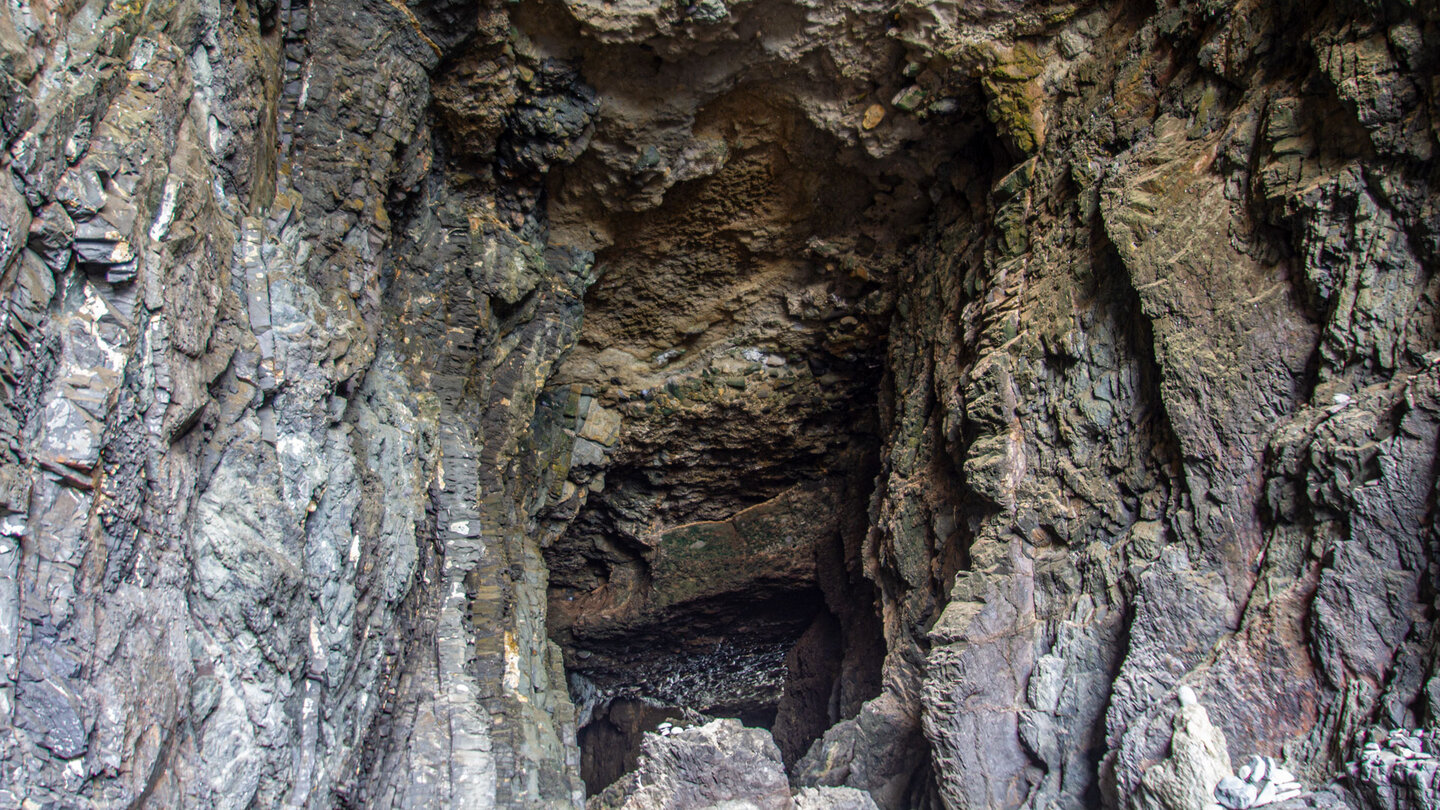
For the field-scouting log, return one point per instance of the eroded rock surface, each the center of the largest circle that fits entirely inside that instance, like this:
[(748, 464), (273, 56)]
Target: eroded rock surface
[(718, 764), (964, 389)]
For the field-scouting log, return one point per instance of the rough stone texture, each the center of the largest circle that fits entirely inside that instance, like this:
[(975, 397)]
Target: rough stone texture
[(721, 763), (955, 383), (833, 798), (1140, 405), (245, 562), (1197, 764), (1396, 769)]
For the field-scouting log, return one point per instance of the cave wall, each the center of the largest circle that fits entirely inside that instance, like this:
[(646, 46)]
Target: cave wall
[(1161, 407), (1063, 354), (269, 469)]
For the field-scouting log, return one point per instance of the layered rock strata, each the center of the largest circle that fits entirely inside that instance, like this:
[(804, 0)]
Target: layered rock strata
[(958, 384)]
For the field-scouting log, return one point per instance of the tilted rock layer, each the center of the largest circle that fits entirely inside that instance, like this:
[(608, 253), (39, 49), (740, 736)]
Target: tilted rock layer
[(391, 388)]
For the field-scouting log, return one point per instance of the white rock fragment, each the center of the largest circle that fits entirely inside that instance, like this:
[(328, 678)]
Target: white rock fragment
[(1399, 757), (1236, 793), (1259, 782), (1198, 759)]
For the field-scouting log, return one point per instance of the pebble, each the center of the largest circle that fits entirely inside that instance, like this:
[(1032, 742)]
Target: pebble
[(1235, 793), (1187, 696), (1259, 782), (1399, 757)]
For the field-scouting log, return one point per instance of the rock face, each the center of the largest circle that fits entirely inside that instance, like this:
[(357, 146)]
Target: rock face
[(1198, 766), (718, 764), (1011, 405), (1397, 769)]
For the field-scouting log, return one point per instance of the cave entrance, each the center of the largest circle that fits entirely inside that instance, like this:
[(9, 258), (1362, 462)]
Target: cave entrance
[(748, 227), (757, 616), (734, 660), (723, 397)]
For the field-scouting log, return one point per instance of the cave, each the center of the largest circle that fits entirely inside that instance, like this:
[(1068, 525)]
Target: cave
[(736, 330), (723, 391), (865, 404)]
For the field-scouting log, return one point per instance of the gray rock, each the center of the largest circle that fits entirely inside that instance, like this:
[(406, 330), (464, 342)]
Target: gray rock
[(704, 766), (1394, 770), (1199, 763), (1235, 793), (51, 235), (875, 752), (14, 221), (80, 192), (708, 11), (833, 798), (1121, 377)]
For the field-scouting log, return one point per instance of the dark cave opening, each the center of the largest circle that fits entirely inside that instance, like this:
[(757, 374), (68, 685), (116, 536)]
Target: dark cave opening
[(715, 564), (782, 661), (712, 582), (724, 392), (764, 615)]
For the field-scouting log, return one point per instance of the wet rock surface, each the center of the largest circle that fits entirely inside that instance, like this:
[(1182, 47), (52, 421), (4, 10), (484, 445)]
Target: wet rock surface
[(1013, 405)]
